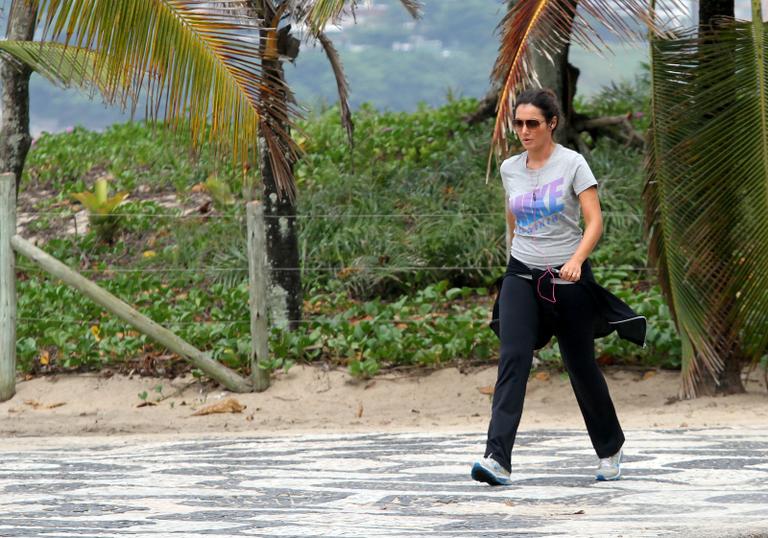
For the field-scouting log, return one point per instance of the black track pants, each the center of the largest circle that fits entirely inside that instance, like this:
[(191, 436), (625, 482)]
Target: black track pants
[(521, 310)]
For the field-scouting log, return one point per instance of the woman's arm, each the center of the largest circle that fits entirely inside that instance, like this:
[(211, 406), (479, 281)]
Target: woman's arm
[(510, 226), (593, 229)]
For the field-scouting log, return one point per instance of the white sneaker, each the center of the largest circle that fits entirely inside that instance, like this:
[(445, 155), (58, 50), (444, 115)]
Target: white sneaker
[(491, 472), (609, 468)]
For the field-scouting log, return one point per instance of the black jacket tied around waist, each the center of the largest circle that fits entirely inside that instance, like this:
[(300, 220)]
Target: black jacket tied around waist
[(611, 313)]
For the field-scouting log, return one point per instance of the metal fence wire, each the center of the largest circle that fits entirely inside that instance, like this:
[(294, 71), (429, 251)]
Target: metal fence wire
[(322, 269)]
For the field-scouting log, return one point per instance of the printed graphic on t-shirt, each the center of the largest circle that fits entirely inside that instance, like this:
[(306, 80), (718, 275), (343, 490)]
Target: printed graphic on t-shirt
[(539, 207)]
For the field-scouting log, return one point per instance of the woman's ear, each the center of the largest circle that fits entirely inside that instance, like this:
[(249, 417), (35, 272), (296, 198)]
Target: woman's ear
[(553, 123)]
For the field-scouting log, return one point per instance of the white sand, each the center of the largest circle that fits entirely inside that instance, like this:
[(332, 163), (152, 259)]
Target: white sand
[(311, 399)]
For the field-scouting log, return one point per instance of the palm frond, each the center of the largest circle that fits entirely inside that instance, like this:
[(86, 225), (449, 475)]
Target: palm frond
[(551, 24), (708, 203), (61, 65), (318, 13), (413, 7), (322, 12), (341, 84), (659, 141), (193, 62)]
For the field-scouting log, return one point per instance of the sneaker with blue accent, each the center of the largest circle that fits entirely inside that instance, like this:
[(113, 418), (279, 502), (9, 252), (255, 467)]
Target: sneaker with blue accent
[(609, 468), (491, 472)]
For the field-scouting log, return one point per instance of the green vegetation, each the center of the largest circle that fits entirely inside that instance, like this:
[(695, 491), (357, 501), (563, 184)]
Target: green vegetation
[(141, 159), (101, 209), (401, 240), (411, 195)]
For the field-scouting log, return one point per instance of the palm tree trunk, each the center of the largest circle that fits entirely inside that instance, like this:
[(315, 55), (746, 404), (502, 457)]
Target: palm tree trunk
[(285, 301), (15, 139), (710, 11), (282, 242)]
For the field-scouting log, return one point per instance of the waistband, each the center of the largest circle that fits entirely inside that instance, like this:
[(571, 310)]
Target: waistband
[(545, 287), (516, 267)]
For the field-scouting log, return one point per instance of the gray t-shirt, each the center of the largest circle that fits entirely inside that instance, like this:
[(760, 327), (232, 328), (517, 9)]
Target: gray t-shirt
[(546, 205)]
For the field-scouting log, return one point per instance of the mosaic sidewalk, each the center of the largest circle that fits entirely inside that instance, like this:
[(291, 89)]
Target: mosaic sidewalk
[(675, 483)]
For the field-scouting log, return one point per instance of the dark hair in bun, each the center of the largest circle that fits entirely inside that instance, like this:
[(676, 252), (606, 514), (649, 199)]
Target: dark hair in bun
[(543, 99)]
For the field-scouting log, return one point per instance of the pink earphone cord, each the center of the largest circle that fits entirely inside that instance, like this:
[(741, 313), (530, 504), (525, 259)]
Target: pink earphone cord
[(551, 274)]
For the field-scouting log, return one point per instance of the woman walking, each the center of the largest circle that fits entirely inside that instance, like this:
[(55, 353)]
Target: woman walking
[(548, 289)]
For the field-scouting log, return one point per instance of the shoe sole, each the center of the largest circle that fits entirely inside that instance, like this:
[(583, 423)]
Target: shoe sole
[(603, 478), (481, 474)]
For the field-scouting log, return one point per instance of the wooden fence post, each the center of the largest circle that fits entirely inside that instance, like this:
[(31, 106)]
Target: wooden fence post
[(7, 287), (257, 286), (213, 369)]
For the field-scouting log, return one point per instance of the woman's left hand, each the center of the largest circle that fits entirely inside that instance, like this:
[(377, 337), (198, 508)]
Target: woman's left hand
[(571, 271)]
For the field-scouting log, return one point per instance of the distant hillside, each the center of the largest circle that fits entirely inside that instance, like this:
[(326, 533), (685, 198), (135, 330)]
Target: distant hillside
[(390, 60)]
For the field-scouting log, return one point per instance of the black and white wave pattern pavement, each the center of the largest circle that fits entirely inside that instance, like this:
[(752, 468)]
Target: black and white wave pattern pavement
[(676, 483)]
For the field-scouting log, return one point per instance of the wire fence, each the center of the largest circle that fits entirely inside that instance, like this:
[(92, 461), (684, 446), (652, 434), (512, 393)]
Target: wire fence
[(458, 214), (235, 324), (406, 321), (343, 268)]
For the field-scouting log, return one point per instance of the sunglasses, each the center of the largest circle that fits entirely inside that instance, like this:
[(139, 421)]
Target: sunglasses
[(531, 124)]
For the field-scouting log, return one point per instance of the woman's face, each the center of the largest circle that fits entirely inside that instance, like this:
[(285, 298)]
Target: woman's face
[(532, 128)]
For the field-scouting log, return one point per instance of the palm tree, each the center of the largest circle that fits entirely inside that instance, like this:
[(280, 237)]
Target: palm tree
[(214, 65), (707, 195)]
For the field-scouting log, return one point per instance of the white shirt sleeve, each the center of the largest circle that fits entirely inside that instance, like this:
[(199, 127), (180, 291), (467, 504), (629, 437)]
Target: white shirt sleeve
[(583, 178)]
